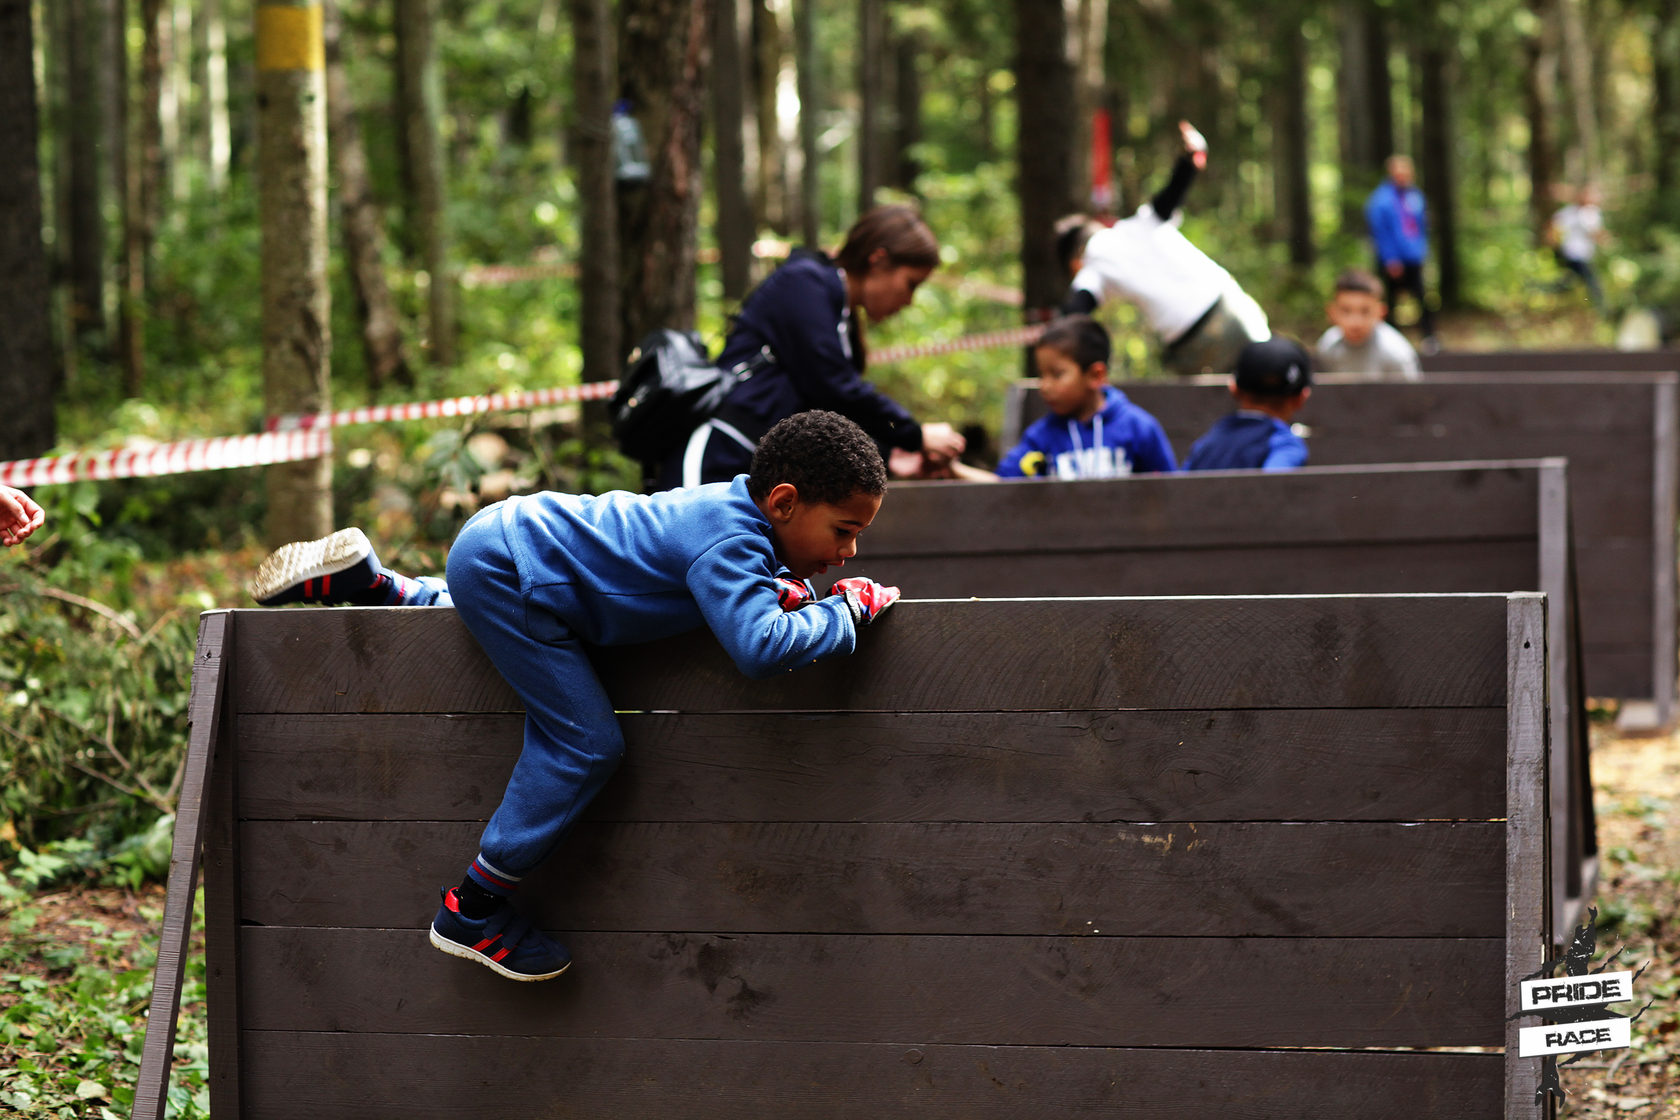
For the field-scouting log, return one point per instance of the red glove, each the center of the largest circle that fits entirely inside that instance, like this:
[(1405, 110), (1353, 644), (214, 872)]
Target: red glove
[(793, 593), (865, 598)]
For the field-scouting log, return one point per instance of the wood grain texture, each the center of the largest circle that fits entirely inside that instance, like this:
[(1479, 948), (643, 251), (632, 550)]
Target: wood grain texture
[(440, 1077), (1039, 991), (1010, 880), (204, 710), (1067, 852), (1610, 427), (1586, 361), (1323, 764), (990, 655), (1528, 852), (1386, 504)]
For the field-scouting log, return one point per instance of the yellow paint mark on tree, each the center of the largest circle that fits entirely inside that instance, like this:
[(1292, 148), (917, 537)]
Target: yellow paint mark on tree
[(289, 37)]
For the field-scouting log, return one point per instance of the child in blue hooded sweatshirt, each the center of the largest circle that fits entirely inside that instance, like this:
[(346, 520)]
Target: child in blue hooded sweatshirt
[(538, 579), (1272, 382), (1092, 430)]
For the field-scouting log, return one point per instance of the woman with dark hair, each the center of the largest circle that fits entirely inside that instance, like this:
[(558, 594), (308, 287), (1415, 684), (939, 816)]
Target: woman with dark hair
[(812, 313)]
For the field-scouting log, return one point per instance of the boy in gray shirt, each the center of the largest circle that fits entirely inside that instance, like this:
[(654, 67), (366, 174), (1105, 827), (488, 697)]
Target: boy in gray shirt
[(1359, 339)]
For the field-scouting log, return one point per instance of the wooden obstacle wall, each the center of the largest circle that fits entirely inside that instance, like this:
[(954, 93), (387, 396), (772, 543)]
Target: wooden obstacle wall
[(1435, 527), (1618, 431), (1566, 361), (1136, 857)]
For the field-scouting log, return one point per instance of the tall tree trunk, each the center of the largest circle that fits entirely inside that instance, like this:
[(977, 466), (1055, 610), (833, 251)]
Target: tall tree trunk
[(1665, 113), (28, 373), (292, 201), (125, 169), (1439, 174), (1366, 105), (769, 51), (1089, 24), (907, 111), (1540, 105), (147, 135), (1044, 81), (177, 91), (593, 81), (1577, 66), (87, 226), (663, 62), (363, 223), (416, 30), (1291, 179), (729, 169), (61, 110), (870, 79), (810, 163), (218, 127)]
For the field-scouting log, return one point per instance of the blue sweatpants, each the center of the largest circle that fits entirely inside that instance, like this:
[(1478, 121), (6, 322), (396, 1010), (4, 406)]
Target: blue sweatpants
[(572, 738)]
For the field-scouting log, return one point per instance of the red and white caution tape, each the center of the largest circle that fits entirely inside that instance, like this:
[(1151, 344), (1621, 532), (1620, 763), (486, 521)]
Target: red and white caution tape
[(594, 390), (432, 410), (307, 435), (216, 454), (1015, 336)]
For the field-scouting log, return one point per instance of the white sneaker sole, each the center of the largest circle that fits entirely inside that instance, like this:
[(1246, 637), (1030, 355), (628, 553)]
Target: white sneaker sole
[(293, 563), (456, 949)]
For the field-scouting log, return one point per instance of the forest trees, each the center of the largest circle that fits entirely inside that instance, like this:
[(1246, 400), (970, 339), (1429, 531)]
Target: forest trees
[(784, 116), (28, 369)]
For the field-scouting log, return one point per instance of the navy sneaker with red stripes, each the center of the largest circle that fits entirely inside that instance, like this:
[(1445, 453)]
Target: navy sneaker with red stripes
[(505, 942), (338, 568)]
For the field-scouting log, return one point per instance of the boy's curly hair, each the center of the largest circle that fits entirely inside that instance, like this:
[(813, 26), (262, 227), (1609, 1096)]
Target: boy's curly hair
[(825, 456)]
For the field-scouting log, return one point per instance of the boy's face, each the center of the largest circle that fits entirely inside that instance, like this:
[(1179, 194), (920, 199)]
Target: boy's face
[(812, 537), (1358, 314), (1067, 389)]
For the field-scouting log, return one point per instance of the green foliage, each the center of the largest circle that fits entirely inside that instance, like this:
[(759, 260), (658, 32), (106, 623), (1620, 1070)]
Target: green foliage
[(93, 702), (73, 1017)]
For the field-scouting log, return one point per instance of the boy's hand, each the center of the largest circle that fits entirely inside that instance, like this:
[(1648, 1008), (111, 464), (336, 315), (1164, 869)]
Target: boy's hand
[(793, 593), (865, 598), (19, 515)]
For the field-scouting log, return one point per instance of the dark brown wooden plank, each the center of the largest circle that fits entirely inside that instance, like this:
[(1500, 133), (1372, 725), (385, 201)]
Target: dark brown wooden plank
[(204, 717), (1609, 427), (220, 870), (1184, 879), (1324, 764), (1529, 937), (429, 1077), (1584, 361), (1425, 567), (1056, 991), (1275, 652), (1316, 505)]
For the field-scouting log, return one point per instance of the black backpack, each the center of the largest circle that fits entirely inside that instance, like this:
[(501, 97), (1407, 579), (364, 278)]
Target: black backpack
[(670, 387)]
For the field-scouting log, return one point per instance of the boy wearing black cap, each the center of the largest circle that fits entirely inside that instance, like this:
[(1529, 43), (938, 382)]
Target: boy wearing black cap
[(1273, 380)]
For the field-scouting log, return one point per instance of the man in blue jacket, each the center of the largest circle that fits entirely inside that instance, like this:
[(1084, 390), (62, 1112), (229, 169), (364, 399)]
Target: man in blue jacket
[(1399, 222)]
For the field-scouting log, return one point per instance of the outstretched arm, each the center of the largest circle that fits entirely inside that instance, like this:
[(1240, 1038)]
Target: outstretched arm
[(19, 516), (1194, 157)]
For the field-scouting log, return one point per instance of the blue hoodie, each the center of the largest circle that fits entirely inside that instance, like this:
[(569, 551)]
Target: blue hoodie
[(1399, 223), (1121, 439), (619, 568)]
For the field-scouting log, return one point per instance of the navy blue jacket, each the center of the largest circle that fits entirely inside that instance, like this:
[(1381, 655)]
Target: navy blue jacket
[(1245, 441), (800, 312)]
